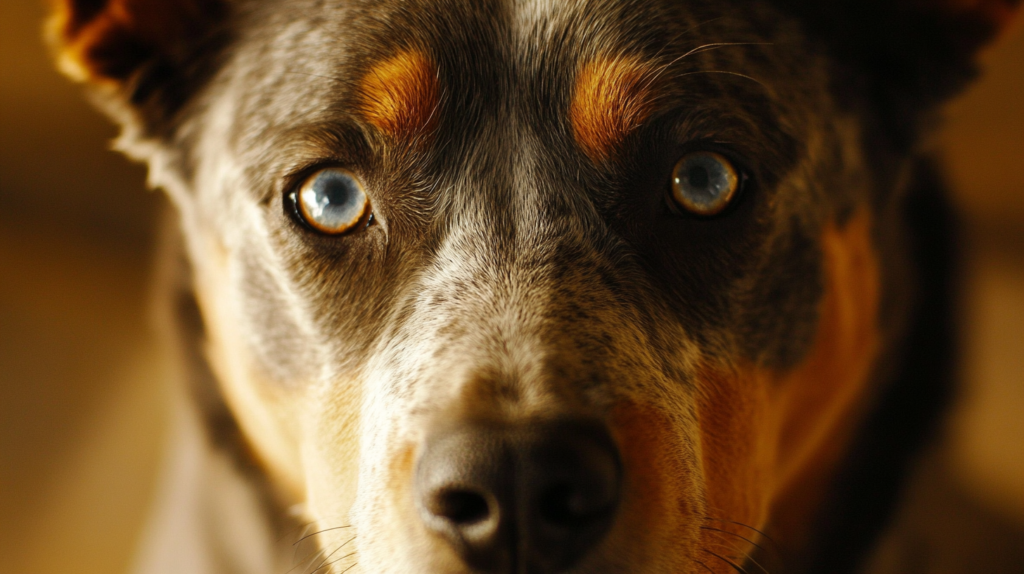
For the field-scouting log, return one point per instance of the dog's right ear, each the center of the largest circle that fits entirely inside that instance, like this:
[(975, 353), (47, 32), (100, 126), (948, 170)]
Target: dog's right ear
[(134, 49)]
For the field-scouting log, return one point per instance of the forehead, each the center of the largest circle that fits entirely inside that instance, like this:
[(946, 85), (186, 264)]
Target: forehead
[(501, 120), (584, 81), (499, 56)]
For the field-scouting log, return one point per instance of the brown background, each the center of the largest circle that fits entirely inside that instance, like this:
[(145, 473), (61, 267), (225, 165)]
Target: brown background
[(81, 382)]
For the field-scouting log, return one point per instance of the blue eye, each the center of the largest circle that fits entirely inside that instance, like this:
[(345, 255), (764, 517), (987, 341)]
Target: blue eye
[(704, 183), (332, 201)]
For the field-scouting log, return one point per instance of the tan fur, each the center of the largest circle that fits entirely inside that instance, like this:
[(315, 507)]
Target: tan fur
[(612, 97), (92, 46), (765, 432), (399, 96), (658, 494), (263, 409), (494, 284)]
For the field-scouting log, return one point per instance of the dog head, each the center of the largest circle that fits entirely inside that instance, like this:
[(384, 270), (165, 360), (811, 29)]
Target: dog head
[(527, 286)]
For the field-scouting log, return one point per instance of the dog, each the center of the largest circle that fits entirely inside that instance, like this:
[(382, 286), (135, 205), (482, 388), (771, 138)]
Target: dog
[(539, 286)]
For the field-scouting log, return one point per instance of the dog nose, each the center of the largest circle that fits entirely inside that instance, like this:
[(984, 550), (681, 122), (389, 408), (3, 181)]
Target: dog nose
[(527, 498)]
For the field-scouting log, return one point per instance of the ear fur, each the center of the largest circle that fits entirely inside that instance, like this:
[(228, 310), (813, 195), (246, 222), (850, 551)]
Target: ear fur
[(128, 48), (108, 40), (908, 55)]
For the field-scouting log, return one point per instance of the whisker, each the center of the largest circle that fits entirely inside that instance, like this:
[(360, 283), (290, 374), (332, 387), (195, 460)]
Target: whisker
[(743, 538), (296, 548), (727, 561), (717, 45), (725, 72), (333, 552), (335, 561), (703, 565), (326, 558), (765, 536), (301, 526), (683, 33), (437, 106), (698, 50), (756, 563), (305, 560), (320, 532), (697, 25), (746, 555), (349, 568)]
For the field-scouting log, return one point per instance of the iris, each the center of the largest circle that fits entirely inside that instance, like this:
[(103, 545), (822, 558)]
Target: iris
[(704, 183), (332, 201)]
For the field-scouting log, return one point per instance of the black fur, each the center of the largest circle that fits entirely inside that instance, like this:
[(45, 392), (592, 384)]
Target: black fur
[(908, 411)]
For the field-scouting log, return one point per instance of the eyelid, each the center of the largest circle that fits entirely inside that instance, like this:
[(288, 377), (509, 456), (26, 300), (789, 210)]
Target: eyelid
[(306, 148), (294, 176)]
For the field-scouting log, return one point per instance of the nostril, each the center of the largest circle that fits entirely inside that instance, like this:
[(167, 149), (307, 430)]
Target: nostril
[(568, 506), (561, 505), (461, 507), (519, 498)]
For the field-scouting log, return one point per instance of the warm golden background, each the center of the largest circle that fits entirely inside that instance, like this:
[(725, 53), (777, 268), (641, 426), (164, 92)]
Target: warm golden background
[(81, 384)]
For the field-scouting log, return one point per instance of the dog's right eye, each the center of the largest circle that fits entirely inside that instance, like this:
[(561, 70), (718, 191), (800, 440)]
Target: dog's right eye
[(331, 201)]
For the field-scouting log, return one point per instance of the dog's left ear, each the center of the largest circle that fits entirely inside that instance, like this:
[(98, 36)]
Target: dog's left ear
[(909, 55), (128, 48)]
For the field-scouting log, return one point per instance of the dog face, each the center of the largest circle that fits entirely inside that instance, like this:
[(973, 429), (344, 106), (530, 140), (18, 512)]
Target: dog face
[(534, 286)]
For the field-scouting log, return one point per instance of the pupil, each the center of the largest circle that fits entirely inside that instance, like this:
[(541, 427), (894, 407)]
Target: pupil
[(699, 177), (336, 194)]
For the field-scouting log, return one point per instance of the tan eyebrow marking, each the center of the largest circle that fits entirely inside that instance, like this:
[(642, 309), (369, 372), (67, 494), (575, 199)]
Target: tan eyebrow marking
[(400, 95), (612, 96)]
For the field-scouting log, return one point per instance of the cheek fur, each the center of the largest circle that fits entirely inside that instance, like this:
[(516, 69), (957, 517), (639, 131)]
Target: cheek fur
[(821, 392), (264, 410), (738, 437), (825, 395), (660, 496), (770, 436)]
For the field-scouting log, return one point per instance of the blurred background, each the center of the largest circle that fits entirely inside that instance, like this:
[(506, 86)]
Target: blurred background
[(82, 380)]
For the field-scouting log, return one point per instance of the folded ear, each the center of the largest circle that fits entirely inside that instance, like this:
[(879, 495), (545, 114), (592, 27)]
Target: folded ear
[(132, 46), (997, 13), (912, 54)]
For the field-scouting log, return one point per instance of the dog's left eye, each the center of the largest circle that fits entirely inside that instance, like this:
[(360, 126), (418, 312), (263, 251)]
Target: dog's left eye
[(331, 201), (704, 183)]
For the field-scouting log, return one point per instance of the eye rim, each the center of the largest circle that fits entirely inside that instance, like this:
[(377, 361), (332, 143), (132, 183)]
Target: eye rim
[(683, 207), (299, 213)]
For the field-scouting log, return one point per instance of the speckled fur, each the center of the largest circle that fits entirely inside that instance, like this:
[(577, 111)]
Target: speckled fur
[(506, 273)]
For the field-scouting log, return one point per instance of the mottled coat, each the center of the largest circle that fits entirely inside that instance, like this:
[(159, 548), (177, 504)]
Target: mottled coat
[(765, 374)]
